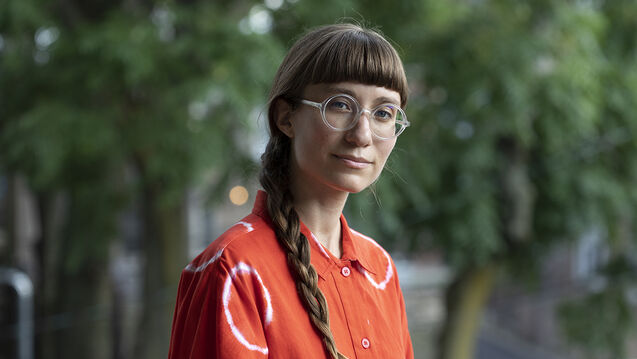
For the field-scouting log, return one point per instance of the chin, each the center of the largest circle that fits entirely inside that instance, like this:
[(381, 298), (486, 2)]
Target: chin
[(350, 183), (356, 185), (351, 187)]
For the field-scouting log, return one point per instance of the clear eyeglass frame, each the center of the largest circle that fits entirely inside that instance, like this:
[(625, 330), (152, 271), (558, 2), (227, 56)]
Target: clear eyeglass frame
[(403, 122)]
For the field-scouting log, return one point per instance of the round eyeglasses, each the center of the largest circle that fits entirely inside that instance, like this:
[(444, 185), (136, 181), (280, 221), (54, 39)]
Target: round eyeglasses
[(341, 112)]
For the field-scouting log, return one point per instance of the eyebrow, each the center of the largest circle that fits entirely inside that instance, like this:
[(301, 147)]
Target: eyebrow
[(379, 100)]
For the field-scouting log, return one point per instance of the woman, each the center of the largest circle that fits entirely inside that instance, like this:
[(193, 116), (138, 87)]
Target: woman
[(292, 280)]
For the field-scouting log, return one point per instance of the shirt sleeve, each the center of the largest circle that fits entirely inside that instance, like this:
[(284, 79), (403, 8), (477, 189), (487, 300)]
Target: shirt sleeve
[(221, 313)]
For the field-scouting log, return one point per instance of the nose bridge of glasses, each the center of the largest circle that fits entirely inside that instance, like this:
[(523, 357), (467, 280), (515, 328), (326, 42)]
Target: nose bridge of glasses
[(365, 111), (357, 119), (359, 124)]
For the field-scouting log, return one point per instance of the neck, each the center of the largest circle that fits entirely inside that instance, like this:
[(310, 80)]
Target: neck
[(321, 211)]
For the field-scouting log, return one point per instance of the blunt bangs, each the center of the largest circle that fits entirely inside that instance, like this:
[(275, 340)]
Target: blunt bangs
[(340, 53), (357, 56)]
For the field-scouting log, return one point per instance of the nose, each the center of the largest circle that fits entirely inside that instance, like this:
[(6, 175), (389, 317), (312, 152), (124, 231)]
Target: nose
[(361, 133)]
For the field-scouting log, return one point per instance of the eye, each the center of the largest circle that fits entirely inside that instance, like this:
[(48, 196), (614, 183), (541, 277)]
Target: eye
[(385, 113), (340, 104)]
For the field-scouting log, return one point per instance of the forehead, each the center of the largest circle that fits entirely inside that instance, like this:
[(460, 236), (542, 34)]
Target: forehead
[(362, 92)]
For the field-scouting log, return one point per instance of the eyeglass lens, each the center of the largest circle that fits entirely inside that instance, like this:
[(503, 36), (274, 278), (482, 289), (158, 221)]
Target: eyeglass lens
[(385, 120)]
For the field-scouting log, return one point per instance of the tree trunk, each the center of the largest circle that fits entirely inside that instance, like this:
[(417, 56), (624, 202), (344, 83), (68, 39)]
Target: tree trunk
[(74, 304), (465, 301), (86, 299), (165, 256)]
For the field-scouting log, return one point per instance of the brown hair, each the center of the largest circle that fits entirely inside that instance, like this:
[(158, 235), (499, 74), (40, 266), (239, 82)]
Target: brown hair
[(328, 54)]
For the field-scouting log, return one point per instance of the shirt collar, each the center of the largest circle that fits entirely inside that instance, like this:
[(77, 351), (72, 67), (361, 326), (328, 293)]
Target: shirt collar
[(354, 249)]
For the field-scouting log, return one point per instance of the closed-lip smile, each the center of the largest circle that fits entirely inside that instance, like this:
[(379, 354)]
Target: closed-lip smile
[(354, 161), (354, 158)]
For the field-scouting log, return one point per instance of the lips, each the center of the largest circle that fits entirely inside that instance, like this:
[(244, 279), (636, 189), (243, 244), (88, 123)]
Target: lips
[(354, 162)]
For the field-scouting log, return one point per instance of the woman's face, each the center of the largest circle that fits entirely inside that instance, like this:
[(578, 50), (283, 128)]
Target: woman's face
[(324, 159)]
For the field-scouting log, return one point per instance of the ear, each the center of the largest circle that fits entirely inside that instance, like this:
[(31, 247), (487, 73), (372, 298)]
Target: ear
[(283, 113)]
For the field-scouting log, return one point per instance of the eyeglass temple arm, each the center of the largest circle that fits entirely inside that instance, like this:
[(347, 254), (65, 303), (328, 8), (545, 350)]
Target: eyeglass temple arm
[(311, 103)]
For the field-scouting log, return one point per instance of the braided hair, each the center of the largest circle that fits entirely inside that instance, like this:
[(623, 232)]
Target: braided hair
[(328, 54)]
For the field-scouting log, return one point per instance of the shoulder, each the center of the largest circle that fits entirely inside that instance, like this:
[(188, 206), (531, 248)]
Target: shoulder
[(247, 239), (224, 282)]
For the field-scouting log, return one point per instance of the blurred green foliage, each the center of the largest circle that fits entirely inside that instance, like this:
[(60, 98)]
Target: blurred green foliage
[(164, 89), (599, 322), (499, 79)]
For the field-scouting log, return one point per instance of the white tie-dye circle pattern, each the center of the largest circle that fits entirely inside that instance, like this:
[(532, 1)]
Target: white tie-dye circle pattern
[(242, 268)]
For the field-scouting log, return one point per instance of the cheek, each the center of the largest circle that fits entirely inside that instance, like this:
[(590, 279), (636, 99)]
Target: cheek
[(317, 140), (307, 127), (384, 149), (311, 144)]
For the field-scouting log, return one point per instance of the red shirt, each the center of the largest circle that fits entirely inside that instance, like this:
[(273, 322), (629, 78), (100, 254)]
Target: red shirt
[(238, 299)]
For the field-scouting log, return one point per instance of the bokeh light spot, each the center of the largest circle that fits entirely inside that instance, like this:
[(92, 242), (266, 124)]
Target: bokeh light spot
[(239, 195)]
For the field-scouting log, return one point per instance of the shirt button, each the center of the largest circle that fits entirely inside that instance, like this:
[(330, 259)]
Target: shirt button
[(365, 343), (345, 271)]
